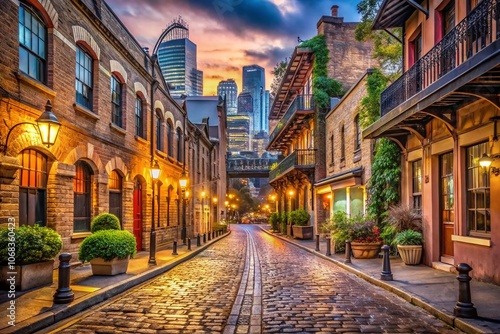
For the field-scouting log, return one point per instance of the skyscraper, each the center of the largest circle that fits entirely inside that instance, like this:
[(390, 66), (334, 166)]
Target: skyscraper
[(177, 59), (229, 90), (254, 82)]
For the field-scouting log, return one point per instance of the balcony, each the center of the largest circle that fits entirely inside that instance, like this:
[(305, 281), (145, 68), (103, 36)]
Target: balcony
[(442, 64), (302, 160), (289, 125)]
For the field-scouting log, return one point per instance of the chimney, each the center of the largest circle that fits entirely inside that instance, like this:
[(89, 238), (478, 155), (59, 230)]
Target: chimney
[(335, 10)]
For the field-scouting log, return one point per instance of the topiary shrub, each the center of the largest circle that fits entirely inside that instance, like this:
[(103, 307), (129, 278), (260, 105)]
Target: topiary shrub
[(105, 221), (107, 244), (274, 221), (300, 217), (32, 244)]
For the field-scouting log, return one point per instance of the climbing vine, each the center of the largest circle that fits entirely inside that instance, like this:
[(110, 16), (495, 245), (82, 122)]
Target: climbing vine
[(323, 86), (370, 104)]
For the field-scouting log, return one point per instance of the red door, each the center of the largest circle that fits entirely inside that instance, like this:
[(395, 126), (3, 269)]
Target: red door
[(138, 214)]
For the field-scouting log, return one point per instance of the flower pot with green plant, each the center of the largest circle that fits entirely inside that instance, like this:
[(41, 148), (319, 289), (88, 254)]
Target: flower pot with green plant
[(31, 250), (299, 219), (409, 244), (364, 235)]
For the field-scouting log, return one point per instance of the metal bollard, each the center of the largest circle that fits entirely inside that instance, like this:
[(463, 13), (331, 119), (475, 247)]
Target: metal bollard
[(317, 243), (213, 234), (64, 294), (209, 235), (198, 242), (328, 247), (386, 274), (204, 237), (464, 307), (174, 252), (347, 251), (189, 243)]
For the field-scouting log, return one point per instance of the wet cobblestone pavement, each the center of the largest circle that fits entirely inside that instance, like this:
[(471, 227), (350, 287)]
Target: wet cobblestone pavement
[(251, 282)]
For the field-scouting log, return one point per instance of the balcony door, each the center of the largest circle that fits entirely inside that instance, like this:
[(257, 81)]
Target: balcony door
[(447, 208)]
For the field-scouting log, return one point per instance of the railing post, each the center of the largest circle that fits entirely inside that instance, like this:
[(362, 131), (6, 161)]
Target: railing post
[(347, 251), (64, 294), (386, 274), (464, 307)]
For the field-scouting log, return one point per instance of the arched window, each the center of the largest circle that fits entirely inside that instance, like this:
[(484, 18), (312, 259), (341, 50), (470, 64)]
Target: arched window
[(170, 139), (115, 194), (32, 43), (82, 189), (139, 117), (33, 188), (159, 133), (179, 145), (84, 77), (116, 101)]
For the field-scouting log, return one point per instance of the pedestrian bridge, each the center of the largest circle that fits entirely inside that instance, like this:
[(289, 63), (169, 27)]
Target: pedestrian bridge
[(249, 167)]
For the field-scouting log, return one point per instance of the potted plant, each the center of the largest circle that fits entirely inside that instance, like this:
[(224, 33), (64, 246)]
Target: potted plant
[(108, 249), (399, 218), (29, 251), (274, 221), (409, 244), (365, 238), (299, 220), (336, 229)]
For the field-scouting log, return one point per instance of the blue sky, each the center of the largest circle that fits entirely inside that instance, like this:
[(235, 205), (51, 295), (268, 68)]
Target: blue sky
[(231, 33)]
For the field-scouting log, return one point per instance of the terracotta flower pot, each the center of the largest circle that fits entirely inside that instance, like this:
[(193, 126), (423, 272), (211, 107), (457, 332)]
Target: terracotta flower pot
[(365, 250)]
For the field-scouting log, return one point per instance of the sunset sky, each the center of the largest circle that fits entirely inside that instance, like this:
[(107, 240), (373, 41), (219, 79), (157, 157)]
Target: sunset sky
[(231, 33)]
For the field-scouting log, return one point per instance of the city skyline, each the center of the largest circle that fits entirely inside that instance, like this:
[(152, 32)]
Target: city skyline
[(230, 36)]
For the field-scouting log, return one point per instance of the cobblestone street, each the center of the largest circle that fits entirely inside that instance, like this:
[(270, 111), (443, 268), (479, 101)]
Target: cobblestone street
[(251, 282)]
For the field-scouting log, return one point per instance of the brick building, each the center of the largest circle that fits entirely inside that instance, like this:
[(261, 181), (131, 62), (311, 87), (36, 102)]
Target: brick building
[(117, 118)]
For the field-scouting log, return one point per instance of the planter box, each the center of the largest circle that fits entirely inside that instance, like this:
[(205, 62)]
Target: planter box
[(365, 250), (410, 254), (302, 232), (109, 268), (28, 276)]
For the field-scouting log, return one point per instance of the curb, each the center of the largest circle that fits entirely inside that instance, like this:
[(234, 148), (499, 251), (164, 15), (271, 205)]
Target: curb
[(451, 320), (61, 312)]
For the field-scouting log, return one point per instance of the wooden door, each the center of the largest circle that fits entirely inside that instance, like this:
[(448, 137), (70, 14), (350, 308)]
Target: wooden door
[(447, 219), (138, 214)]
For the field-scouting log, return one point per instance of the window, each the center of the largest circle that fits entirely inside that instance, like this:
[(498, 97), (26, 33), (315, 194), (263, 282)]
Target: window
[(447, 200), (32, 43), (332, 150), (478, 193), (83, 78), (179, 145), (33, 188), (115, 194), (139, 117), (342, 143), (170, 140), (357, 138), (417, 184), (159, 133), (445, 22), (82, 189), (116, 101)]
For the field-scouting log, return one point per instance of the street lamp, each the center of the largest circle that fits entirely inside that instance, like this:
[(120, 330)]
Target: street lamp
[(183, 184), (155, 174)]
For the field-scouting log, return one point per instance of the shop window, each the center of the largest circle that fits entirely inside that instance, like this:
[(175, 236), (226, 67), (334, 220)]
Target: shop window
[(115, 194), (478, 193), (83, 78), (33, 188), (357, 203), (339, 200), (32, 43), (82, 197)]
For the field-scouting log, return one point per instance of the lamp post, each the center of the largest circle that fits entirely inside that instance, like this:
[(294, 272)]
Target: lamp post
[(183, 184), (155, 174)]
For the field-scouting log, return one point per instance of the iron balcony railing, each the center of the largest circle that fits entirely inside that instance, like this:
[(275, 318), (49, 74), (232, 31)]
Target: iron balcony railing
[(300, 158), (256, 164), (300, 103), (476, 31)]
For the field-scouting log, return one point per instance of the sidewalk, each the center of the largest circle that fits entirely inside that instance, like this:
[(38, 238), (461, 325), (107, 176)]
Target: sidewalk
[(35, 309), (434, 290)]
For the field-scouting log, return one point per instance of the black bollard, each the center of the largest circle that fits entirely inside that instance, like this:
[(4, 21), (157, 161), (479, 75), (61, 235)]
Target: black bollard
[(204, 237), (174, 251), (63, 294), (317, 243), (328, 247), (347, 251), (464, 307), (189, 243), (209, 236), (213, 234), (386, 274), (198, 242)]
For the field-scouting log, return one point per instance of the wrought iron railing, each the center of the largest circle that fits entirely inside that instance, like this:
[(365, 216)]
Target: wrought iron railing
[(300, 102), (256, 164), (476, 31), (299, 158)]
